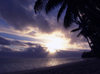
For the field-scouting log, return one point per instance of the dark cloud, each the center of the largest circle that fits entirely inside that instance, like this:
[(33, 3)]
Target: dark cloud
[(43, 24), (8, 42), (65, 54), (31, 44), (19, 43), (5, 49), (14, 14), (35, 52), (19, 14), (4, 41)]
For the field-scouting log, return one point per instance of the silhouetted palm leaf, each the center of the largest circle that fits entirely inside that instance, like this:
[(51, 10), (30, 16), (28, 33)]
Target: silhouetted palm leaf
[(51, 4), (63, 7), (68, 18), (74, 30), (38, 5)]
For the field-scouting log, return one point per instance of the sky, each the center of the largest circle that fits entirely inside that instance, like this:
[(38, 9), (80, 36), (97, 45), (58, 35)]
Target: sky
[(24, 32)]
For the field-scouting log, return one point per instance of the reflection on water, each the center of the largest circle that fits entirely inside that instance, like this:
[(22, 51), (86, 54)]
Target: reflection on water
[(54, 62), (10, 65), (59, 61)]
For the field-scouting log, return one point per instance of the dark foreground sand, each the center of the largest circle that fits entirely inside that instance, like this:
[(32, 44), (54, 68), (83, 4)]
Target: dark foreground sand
[(89, 66)]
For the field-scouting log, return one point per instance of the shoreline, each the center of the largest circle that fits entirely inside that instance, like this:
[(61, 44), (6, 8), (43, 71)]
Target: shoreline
[(87, 66)]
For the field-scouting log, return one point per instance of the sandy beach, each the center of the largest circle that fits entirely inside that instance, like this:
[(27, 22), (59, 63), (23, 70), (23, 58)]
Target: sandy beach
[(87, 66)]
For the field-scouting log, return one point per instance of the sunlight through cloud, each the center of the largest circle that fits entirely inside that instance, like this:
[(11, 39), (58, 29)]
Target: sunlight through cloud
[(54, 42)]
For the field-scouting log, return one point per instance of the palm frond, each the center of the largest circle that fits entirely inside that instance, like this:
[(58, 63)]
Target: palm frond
[(38, 5), (77, 29), (61, 10), (68, 18), (80, 33), (51, 4)]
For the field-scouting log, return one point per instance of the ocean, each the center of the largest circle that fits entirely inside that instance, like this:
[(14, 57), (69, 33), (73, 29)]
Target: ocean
[(20, 64)]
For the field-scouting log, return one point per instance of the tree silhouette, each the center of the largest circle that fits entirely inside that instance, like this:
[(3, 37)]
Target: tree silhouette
[(85, 13)]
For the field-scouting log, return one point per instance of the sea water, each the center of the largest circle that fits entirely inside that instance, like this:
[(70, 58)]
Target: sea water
[(20, 64)]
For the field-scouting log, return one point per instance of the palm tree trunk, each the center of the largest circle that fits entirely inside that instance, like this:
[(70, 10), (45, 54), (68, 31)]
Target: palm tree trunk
[(95, 45), (95, 48)]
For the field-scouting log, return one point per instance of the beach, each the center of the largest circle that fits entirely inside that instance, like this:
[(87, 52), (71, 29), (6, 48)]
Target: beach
[(87, 66)]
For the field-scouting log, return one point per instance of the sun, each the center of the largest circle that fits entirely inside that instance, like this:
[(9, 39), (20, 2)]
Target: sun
[(56, 42)]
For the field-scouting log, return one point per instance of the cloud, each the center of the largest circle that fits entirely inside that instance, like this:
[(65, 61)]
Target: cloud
[(65, 54), (4, 41), (8, 42), (5, 49), (31, 44), (19, 14), (35, 52), (18, 43), (14, 48)]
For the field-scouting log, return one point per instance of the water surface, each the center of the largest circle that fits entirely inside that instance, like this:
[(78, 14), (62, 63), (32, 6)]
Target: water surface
[(20, 64)]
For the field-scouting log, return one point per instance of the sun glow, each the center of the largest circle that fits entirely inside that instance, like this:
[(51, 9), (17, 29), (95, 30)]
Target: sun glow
[(55, 41), (55, 44)]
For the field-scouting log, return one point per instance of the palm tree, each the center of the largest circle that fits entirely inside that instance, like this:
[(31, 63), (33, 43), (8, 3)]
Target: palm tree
[(85, 13)]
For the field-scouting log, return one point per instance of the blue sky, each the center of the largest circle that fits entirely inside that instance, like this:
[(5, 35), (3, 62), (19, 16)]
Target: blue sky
[(19, 24)]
